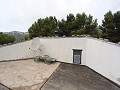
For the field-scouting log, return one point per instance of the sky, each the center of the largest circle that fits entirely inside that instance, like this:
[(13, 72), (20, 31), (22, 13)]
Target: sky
[(19, 15)]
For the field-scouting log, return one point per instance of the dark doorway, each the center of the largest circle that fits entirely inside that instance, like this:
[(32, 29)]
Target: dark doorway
[(77, 56)]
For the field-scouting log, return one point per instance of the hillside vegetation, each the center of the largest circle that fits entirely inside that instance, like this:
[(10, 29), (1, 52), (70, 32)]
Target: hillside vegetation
[(5, 39)]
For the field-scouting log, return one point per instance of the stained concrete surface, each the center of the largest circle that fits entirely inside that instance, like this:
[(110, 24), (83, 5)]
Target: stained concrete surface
[(25, 74), (2, 87), (77, 77)]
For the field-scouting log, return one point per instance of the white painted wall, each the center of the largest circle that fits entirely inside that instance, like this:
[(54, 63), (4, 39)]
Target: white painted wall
[(16, 51), (103, 58), (61, 48)]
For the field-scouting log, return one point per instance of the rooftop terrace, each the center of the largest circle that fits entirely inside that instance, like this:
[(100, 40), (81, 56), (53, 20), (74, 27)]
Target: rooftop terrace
[(30, 75), (25, 74), (77, 77)]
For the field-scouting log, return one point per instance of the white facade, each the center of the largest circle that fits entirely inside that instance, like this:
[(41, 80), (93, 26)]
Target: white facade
[(101, 56), (104, 58), (16, 51), (62, 48)]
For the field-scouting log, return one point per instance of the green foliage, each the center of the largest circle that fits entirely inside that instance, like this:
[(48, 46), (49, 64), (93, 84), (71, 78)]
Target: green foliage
[(26, 37), (43, 27), (5, 39), (79, 24), (111, 26)]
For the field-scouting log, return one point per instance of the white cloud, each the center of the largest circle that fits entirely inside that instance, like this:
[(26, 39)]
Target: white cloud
[(20, 14)]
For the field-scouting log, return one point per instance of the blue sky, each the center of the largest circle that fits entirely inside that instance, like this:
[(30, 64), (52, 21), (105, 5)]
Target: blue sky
[(18, 15)]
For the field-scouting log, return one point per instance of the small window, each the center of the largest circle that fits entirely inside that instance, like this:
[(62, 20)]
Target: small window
[(77, 56)]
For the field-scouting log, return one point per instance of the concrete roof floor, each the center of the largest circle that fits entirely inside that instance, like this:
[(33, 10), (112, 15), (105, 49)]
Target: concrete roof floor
[(77, 77), (29, 75), (25, 74), (3, 87)]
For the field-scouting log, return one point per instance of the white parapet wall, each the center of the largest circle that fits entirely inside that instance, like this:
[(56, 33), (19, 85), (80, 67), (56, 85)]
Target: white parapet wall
[(59, 48), (16, 51), (62, 48), (104, 58)]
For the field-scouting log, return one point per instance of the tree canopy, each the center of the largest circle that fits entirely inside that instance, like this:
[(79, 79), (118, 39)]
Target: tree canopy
[(79, 24), (111, 26), (5, 38), (43, 27)]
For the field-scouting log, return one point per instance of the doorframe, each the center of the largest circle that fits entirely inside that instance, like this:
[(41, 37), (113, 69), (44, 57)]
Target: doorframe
[(80, 54)]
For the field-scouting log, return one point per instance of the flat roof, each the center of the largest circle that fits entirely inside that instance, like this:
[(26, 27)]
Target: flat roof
[(77, 77)]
